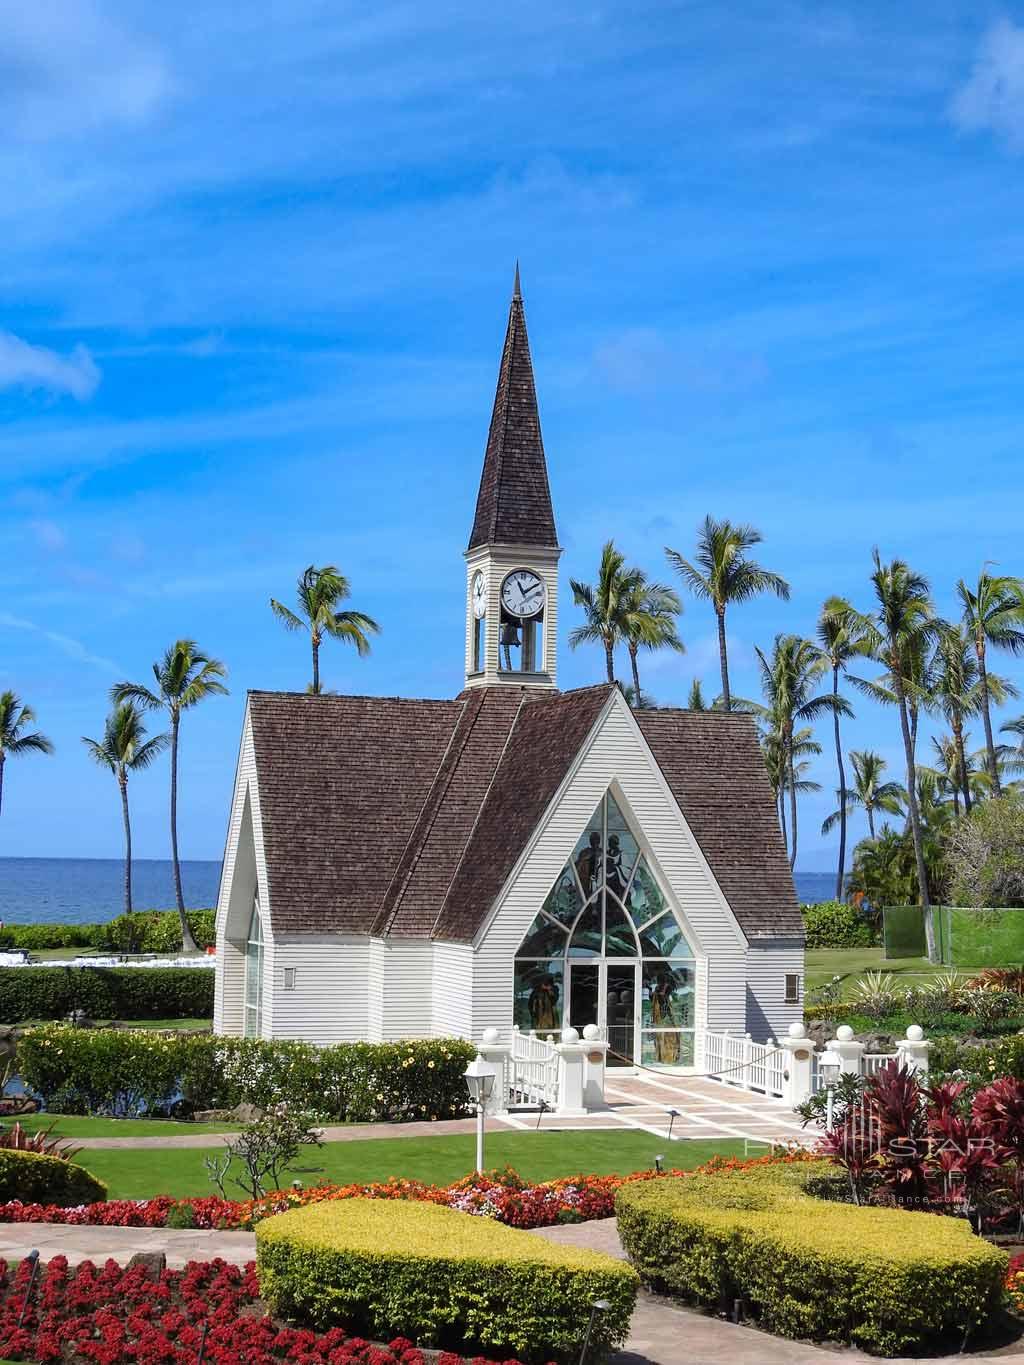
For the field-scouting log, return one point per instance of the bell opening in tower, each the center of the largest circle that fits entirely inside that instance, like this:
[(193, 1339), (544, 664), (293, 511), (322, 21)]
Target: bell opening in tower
[(521, 643)]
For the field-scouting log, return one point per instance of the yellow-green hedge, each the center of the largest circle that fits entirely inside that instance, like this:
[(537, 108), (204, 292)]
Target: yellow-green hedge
[(36, 1179), (440, 1277), (884, 1279)]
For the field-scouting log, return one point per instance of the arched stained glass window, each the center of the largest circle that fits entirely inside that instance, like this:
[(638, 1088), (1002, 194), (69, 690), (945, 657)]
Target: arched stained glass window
[(253, 1021), (607, 908)]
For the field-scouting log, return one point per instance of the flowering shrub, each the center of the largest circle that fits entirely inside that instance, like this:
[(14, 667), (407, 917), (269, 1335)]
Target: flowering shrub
[(104, 1316), (1014, 1284), (128, 1072), (501, 1195)]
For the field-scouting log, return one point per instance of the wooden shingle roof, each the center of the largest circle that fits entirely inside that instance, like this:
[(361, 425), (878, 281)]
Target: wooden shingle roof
[(513, 505), (386, 816)]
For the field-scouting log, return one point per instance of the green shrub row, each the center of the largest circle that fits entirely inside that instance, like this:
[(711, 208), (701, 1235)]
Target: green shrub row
[(442, 1278), (36, 1179), (979, 1063), (138, 1071), (884, 1279), (143, 931), (105, 993), (835, 924)]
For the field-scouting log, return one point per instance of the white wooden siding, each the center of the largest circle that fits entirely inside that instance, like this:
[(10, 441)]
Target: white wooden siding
[(408, 971), (768, 1015), (375, 988), (452, 1000), (330, 1002), (616, 756)]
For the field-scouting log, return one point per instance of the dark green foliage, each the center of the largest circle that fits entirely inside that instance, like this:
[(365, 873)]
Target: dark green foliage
[(977, 1062), (144, 931), (835, 924), (128, 1072), (36, 1179), (105, 993)]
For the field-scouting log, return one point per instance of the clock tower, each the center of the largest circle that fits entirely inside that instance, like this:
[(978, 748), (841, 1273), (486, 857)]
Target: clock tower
[(512, 559)]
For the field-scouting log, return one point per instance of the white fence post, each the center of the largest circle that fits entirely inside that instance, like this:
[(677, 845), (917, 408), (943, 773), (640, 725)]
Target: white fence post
[(571, 1062), (848, 1050), (497, 1055), (595, 1057), (913, 1051), (799, 1050)]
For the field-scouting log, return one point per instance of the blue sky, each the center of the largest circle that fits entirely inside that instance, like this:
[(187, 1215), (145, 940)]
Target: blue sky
[(253, 286)]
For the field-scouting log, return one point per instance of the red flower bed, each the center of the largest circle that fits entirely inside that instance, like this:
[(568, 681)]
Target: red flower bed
[(502, 1195), (106, 1316)]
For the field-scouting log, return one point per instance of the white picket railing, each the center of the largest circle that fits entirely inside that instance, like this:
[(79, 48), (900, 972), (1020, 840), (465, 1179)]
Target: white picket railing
[(872, 1062), (532, 1071), (737, 1060)]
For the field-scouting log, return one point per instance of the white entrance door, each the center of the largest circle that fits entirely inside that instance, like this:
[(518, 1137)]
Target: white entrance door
[(606, 992)]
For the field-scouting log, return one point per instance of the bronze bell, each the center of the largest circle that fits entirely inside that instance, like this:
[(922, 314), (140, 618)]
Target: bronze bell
[(509, 633)]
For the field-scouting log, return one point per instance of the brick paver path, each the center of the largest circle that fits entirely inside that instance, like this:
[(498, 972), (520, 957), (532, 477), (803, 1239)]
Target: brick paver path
[(661, 1333)]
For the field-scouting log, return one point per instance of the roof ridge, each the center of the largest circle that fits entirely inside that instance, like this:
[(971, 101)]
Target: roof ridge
[(523, 697), (429, 811)]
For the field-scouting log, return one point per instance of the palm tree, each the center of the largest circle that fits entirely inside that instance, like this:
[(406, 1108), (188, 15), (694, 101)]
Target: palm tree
[(185, 676), (14, 739), (606, 604), (900, 628), (1015, 754), (696, 700), (777, 763), (722, 574), (842, 638), (956, 694), (124, 749), (993, 614), (318, 595), (788, 681), (649, 620), (868, 792)]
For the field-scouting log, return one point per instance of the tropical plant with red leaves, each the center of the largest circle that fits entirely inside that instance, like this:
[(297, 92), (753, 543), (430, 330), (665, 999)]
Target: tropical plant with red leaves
[(16, 1139)]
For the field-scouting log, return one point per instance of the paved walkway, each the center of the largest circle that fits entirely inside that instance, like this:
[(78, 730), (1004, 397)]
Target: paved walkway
[(662, 1332), (705, 1109)]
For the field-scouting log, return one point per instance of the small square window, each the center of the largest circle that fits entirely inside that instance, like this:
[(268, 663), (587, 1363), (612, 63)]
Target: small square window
[(792, 988), (289, 978)]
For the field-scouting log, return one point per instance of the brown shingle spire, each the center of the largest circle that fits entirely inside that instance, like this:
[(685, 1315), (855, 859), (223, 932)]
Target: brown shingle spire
[(513, 506)]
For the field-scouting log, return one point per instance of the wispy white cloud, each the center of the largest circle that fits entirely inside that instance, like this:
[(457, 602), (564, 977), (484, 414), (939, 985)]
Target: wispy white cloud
[(25, 366), (992, 98), (73, 648), (48, 535)]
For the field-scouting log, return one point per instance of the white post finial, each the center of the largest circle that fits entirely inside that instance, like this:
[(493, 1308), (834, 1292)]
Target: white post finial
[(913, 1051)]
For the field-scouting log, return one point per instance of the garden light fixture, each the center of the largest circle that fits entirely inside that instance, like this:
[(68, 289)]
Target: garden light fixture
[(597, 1306), (830, 1069), (479, 1077), (657, 1164), (673, 1114)]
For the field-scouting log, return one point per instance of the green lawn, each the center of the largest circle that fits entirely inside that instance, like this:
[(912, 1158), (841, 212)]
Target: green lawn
[(72, 1126), (851, 963), (440, 1160)]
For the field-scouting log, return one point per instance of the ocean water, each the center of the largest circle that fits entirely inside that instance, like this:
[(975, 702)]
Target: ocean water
[(90, 890)]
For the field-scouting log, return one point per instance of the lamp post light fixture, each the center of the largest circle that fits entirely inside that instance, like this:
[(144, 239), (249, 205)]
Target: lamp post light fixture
[(830, 1067), (673, 1114), (597, 1306), (479, 1079), (657, 1164)]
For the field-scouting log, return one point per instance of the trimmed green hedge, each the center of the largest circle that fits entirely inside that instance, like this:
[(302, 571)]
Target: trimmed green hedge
[(143, 931), (443, 1278), (884, 1279), (138, 1071), (834, 924), (106, 992), (37, 1179)]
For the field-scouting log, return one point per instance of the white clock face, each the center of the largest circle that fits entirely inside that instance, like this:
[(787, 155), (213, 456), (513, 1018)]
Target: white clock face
[(479, 596), (522, 593)]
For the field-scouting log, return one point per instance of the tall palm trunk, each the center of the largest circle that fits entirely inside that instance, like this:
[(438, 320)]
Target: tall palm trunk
[(990, 748), (792, 798), (316, 663), (188, 943), (913, 811), (782, 814), (869, 808), (841, 869), (122, 781), (723, 658), (609, 660), (961, 759), (633, 651)]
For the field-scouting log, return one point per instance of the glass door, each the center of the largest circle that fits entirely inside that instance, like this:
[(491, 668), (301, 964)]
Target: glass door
[(584, 994), (620, 1012)]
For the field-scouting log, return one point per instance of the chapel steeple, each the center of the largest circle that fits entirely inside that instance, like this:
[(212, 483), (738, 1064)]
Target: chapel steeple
[(512, 559)]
